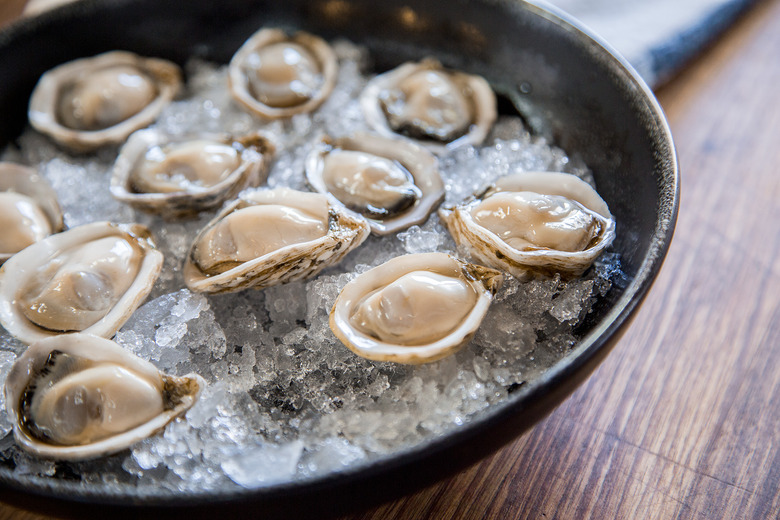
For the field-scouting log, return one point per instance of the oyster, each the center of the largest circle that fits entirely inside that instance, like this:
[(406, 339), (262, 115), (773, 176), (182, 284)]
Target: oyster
[(413, 309), (78, 396), (440, 108), (274, 75), (92, 102), (87, 279), (394, 184), (179, 176), (29, 210), (269, 237), (535, 222)]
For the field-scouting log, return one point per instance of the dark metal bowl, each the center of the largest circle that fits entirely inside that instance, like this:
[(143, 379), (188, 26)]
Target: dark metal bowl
[(566, 85)]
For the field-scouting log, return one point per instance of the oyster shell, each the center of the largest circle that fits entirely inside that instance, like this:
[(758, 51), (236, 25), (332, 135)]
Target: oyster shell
[(29, 210), (413, 309), (392, 183), (87, 279), (78, 396), (180, 176), (533, 223), (269, 237), (440, 108), (97, 101), (274, 75)]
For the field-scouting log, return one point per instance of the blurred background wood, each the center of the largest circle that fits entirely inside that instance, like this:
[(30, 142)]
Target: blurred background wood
[(683, 419), (10, 10)]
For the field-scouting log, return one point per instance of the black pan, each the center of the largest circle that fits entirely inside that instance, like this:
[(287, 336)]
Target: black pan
[(565, 84)]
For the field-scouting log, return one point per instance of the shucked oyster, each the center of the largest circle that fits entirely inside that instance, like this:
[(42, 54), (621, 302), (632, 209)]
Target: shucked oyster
[(274, 75), (440, 108), (78, 396), (542, 222), (269, 237), (394, 184), (29, 210), (414, 308), (92, 102), (179, 176), (87, 279)]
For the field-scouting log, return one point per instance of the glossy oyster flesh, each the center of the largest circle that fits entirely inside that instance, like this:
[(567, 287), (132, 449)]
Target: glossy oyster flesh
[(394, 184), (29, 210), (413, 309), (274, 75), (98, 101), (268, 237), (439, 107), (78, 396), (180, 176), (533, 223), (87, 279)]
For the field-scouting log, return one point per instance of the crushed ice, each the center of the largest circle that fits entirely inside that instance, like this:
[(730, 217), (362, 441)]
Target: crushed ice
[(285, 399)]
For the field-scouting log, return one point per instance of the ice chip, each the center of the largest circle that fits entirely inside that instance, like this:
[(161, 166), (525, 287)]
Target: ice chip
[(263, 464)]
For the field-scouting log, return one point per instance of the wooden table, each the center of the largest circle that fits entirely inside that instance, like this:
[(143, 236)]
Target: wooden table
[(683, 418)]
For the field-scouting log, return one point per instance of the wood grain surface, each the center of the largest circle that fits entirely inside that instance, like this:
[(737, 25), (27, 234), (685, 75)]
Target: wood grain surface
[(683, 418), (10, 10)]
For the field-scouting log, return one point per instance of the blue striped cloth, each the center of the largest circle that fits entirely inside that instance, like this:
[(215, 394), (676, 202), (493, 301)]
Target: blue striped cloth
[(656, 36)]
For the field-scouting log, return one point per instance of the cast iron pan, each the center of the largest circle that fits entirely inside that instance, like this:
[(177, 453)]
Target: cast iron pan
[(565, 84)]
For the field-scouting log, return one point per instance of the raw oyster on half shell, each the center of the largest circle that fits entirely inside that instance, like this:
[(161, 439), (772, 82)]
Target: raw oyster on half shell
[(93, 102), (274, 75), (440, 108), (87, 279), (533, 223), (414, 308), (78, 396), (269, 237), (392, 183), (29, 210), (180, 176)]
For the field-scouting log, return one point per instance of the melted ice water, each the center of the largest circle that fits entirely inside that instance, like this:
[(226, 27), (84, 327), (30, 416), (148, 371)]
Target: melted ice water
[(286, 400)]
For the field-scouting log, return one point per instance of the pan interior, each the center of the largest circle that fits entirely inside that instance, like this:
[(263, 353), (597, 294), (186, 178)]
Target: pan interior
[(562, 86)]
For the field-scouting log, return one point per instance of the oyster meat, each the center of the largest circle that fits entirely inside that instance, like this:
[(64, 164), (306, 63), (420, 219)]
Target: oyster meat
[(440, 108), (180, 176), (87, 279), (29, 210), (78, 396), (268, 237), (394, 184), (274, 75), (97, 101), (413, 309), (533, 223)]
